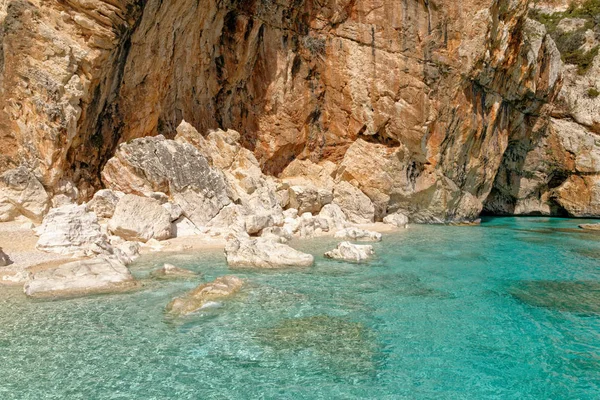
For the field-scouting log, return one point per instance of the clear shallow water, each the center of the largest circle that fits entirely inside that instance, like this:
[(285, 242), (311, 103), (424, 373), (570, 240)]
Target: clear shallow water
[(508, 310)]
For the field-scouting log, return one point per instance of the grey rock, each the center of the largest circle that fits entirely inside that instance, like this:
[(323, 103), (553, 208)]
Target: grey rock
[(358, 234), (22, 194), (350, 252), (243, 251)]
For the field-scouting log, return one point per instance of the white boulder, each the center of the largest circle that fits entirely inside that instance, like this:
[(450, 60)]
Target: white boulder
[(350, 252), (72, 229)]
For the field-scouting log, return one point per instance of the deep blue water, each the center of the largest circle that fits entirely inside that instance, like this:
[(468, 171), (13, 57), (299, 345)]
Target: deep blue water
[(507, 310)]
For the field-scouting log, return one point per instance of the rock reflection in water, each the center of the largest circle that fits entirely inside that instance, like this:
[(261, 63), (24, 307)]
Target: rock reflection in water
[(578, 297)]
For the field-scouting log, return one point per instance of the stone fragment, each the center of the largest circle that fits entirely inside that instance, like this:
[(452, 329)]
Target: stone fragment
[(4, 259), (243, 251), (104, 202), (170, 271), (140, 219), (72, 229), (396, 219), (22, 194), (219, 289), (350, 252), (79, 278), (358, 234)]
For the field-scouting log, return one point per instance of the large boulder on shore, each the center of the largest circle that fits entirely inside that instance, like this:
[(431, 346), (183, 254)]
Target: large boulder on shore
[(193, 301), (140, 219), (72, 229), (242, 251), (79, 278), (155, 164), (350, 252), (396, 219), (22, 194)]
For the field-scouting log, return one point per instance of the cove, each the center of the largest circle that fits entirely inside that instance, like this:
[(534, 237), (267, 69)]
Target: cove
[(508, 310)]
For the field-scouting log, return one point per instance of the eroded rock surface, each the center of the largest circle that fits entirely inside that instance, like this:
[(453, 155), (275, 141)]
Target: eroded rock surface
[(417, 102), (170, 271)]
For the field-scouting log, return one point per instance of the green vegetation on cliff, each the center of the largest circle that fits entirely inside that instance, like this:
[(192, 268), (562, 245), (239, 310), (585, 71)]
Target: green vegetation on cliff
[(570, 41)]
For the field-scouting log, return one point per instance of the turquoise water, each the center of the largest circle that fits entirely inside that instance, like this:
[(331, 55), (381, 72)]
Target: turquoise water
[(508, 310)]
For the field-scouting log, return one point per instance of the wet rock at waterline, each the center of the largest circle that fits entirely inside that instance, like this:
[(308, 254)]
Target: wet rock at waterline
[(578, 297), (195, 300), (246, 252), (80, 278), (590, 227), (350, 252)]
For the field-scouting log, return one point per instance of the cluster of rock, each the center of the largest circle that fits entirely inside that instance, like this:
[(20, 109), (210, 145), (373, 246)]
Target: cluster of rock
[(158, 189)]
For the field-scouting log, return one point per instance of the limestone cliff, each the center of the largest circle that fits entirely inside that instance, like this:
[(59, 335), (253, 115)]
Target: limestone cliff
[(556, 171), (416, 101)]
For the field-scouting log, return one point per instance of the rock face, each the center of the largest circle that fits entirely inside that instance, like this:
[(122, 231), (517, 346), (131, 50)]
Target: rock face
[(140, 219), (149, 165), (98, 275), (416, 102), (248, 252), (72, 229), (22, 194), (193, 301), (350, 252)]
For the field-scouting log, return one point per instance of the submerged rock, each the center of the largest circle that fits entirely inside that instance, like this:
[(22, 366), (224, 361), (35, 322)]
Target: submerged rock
[(350, 252), (578, 297), (243, 251), (358, 234), (171, 271), (141, 219), (71, 229), (204, 294), (345, 345), (79, 278)]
